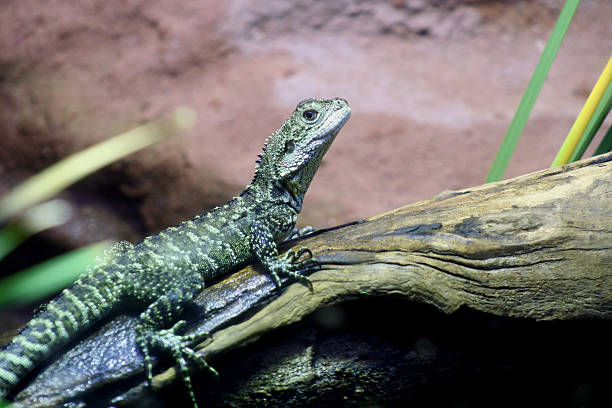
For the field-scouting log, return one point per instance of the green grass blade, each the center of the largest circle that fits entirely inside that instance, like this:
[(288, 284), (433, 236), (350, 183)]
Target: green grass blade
[(36, 219), (60, 175), (508, 145), (606, 144), (584, 117), (10, 237), (599, 115), (48, 277)]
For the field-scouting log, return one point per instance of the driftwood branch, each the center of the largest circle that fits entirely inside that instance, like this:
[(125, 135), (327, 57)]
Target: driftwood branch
[(537, 247)]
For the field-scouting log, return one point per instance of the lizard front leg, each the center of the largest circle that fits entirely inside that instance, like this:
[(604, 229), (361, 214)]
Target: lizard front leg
[(151, 335), (265, 249)]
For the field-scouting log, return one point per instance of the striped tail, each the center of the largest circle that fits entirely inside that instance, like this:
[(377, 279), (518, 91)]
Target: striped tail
[(73, 311)]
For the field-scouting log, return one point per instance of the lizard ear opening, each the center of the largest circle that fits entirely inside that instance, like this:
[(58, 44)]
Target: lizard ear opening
[(289, 146)]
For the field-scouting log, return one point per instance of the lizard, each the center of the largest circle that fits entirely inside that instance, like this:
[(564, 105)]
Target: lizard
[(160, 275)]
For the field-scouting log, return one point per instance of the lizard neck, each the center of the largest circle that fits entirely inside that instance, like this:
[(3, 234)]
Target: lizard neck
[(273, 192)]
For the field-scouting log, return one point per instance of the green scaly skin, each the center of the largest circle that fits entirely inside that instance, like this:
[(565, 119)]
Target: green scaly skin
[(161, 274)]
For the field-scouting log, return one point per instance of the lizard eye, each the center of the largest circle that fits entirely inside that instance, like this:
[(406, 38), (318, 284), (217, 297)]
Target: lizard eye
[(289, 146), (310, 115)]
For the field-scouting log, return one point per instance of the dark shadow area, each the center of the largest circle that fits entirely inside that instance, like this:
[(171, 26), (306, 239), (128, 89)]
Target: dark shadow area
[(392, 353)]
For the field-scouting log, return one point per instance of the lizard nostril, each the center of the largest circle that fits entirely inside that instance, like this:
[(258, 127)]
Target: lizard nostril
[(340, 103)]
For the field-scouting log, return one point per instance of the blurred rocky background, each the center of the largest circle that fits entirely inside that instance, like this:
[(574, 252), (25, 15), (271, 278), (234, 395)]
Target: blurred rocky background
[(433, 85)]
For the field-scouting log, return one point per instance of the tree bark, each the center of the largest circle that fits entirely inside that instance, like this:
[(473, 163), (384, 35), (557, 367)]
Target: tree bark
[(534, 248)]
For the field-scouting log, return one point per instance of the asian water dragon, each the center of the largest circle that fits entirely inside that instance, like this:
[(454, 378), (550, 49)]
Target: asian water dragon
[(161, 274)]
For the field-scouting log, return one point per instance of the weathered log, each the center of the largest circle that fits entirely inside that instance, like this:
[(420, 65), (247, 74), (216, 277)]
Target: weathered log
[(537, 247)]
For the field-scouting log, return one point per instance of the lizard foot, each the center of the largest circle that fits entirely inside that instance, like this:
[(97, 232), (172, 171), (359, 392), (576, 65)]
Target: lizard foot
[(290, 265), (178, 346)]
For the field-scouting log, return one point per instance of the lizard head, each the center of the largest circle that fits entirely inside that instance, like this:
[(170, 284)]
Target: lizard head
[(293, 153)]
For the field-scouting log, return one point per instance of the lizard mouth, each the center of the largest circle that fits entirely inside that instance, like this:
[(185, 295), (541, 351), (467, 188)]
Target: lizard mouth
[(331, 133)]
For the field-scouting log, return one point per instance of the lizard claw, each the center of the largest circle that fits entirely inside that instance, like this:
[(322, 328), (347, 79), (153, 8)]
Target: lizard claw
[(196, 337), (292, 256), (299, 233)]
